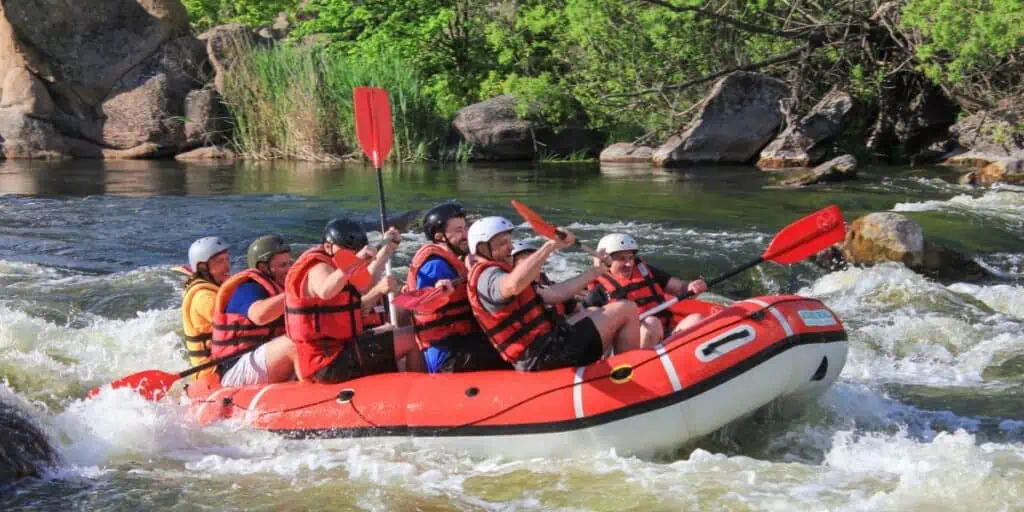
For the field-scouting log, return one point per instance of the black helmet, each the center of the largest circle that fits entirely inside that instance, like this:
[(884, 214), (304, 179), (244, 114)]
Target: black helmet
[(346, 233), (437, 218), (264, 248)]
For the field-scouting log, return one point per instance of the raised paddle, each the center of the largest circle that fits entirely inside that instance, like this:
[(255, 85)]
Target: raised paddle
[(375, 134), (542, 228), (796, 242)]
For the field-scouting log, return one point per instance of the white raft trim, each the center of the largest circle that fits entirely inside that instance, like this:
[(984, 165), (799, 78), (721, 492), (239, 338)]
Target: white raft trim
[(577, 391), (748, 334), (778, 316), (670, 369), (253, 406)]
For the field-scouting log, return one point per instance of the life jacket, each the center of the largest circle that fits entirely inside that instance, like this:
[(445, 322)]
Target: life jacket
[(319, 327), (640, 288), (454, 318), (376, 317), (518, 324), (562, 308), (198, 332), (233, 332)]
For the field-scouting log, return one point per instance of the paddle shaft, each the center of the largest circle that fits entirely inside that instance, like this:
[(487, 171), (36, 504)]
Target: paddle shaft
[(671, 302), (214, 362), (389, 308)]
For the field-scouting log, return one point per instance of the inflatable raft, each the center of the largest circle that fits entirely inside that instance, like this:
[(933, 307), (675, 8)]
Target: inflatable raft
[(783, 351)]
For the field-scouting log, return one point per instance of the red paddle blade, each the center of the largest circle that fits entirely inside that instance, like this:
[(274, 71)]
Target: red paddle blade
[(535, 221), (807, 236), (373, 123), (422, 301), (151, 384)]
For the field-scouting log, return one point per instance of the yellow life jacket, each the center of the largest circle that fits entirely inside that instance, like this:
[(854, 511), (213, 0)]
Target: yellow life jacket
[(198, 331)]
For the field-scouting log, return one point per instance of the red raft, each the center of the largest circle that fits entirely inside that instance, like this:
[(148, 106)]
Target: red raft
[(783, 351)]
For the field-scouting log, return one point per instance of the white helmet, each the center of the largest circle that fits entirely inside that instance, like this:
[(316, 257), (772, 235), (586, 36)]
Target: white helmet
[(204, 249), (616, 242), (522, 246), (485, 229)]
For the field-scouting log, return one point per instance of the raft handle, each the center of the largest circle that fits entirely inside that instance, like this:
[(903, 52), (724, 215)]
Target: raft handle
[(472, 391), (819, 374), (757, 315), (345, 395)]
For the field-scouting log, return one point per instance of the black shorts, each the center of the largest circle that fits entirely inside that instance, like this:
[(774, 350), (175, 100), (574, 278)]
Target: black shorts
[(370, 354), (472, 353), (569, 346)]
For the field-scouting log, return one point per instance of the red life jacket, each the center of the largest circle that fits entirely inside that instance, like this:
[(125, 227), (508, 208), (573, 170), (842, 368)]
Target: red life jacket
[(640, 288), (518, 324), (319, 327), (375, 317), (233, 332), (455, 318)]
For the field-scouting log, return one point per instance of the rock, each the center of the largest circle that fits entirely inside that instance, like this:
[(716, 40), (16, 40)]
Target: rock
[(496, 132), (207, 153), (991, 135), (738, 117), (922, 125), (206, 118), (841, 168), (624, 152), (887, 236), (25, 450), (803, 143), (106, 80), (1009, 171)]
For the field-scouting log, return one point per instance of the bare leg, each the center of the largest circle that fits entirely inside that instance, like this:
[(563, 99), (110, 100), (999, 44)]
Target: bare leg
[(618, 323), (280, 354), (652, 331), (689, 321)]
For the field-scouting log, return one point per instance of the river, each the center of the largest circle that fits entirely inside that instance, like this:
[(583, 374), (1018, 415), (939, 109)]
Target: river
[(928, 413)]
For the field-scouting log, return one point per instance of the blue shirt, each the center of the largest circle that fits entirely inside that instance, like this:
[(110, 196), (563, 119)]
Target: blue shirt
[(432, 271), (245, 295)]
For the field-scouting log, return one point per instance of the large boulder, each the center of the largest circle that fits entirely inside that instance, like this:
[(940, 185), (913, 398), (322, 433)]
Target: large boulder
[(888, 236), (738, 117), (495, 131), (96, 78), (25, 450), (804, 143), (226, 44)]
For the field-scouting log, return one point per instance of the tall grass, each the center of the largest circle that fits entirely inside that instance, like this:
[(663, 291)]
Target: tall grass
[(296, 102)]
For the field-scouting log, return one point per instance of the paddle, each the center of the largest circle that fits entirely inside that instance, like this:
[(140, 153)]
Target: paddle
[(546, 230), (154, 384), (796, 242), (425, 300), (373, 128)]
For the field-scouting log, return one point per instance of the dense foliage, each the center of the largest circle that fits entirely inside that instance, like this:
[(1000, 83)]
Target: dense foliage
[(635, 67)]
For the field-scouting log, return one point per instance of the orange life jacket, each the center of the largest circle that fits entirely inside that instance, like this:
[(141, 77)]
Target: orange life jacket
[(376, 317), (640, 288), (518, 324), (319, 327), (233, 332), (454, 318)]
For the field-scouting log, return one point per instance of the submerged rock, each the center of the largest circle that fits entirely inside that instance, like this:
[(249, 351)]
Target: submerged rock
[(624, 152), (841, 168), (25, 450)]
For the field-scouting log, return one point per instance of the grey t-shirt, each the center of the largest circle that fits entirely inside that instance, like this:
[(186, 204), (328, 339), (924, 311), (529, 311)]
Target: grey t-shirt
[(489, 289)]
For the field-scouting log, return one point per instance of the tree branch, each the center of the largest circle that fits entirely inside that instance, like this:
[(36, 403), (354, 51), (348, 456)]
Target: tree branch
[(707, 78), (728, 20)]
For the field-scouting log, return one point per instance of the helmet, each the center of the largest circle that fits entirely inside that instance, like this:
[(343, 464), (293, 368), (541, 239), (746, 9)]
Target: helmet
[(616, 242), (437, 218), (487, 228), (346, 233), (204, 249), (264, 248), (520, 246)]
